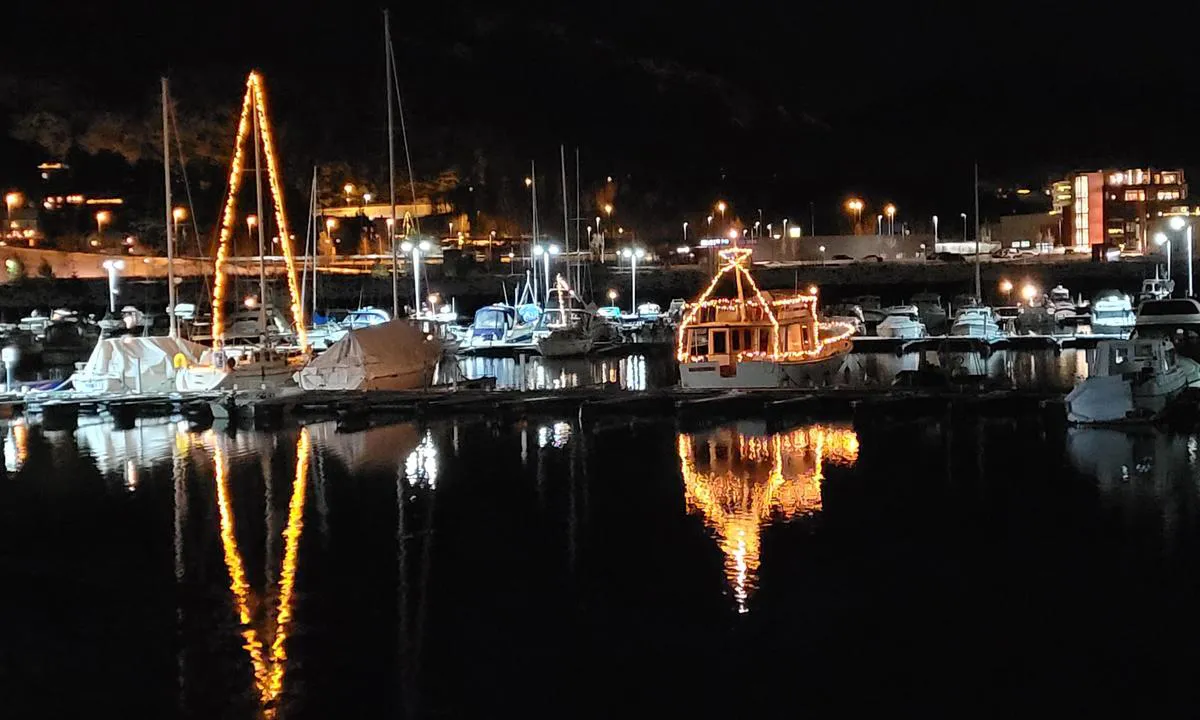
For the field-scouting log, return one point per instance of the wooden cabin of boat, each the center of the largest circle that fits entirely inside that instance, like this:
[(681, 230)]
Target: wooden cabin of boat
[(758, 327)]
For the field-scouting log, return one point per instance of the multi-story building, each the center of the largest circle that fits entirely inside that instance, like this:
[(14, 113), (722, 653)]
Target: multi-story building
[(1117, 207)]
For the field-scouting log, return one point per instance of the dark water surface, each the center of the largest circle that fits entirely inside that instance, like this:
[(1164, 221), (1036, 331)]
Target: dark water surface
[(472, 570)]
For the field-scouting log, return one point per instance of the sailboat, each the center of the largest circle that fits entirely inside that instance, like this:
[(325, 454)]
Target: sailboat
[(254, 366)]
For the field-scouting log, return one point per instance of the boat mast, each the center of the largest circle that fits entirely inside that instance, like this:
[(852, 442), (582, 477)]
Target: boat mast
[(578, 234), (533, 242), (978, 287), (262, 240), (562, 154), (391, 72), (316, 241), (174, 325)]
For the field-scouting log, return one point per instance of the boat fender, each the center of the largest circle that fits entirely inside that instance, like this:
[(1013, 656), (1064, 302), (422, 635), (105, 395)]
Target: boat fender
[(180, 361)]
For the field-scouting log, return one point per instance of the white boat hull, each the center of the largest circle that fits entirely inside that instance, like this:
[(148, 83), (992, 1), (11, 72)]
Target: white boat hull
[(907, 330), (248, 376), (765, 374), (1114, 398), (553, 347)]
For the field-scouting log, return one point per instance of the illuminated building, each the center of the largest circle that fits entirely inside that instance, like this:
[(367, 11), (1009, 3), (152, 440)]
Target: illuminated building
[(1117, 207)]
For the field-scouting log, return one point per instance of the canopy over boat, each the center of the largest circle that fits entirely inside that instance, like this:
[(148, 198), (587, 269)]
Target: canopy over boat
[(394, 355)]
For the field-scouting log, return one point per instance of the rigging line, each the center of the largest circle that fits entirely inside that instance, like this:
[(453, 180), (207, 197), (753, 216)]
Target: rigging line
[(412, 183), (187, 185)]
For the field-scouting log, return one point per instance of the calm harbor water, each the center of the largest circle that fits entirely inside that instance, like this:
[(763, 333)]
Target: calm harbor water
[(1048, 370), (466, 569)]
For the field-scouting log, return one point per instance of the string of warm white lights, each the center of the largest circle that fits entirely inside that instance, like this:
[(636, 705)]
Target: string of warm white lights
[(285, 237), (254, 101), (736, 260)]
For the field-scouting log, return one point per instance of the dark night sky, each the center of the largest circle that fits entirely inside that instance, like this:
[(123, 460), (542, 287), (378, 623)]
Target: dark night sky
[(768, 104)]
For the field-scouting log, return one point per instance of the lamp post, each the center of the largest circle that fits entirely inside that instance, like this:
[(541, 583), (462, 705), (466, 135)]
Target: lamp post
[(251, 221), (822, 249), (879, 225), (552, 250), (102, 218), (758, 227), (1006, 287), (113, 267), (966, 234), (855, 206), (890, 211), (416, 250), (11, 200), (785, 222), (1178, 223), (721, 209), (633, 254), (612, 298), (935, 237), (1161, 239), (685, 233)]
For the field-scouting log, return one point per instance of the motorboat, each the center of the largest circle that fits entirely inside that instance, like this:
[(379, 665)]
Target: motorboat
[(68, 340), (322, 336), (1156, 288), (1112, 314), (1130, 380), (396, 355), (571, 332), (901, 321), (930, 312), (135, 364), (1174, 319), (1061, 305), (976, 322), (847, 313), (760, 342)]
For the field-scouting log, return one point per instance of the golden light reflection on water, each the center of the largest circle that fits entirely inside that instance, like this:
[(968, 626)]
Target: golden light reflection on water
[(16, 445), (739, 482), (269, 666)]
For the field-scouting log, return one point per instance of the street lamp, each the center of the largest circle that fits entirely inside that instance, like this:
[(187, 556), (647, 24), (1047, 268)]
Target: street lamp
[(1178, 223), (11, 200), (890, 211), (935, 237), (552, 250), (1006, 287), (1029, 292), (416, 250), (1160, 239), (855, 206), (612, 298), (721, 209), (879, 224), (367, 198), (102, 218), (113, 267), (822, 249), (965, 233), (685, 233), (634, 254)]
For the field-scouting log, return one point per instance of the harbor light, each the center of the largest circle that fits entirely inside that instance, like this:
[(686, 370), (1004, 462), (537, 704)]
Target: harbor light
[(1160, 238), (733, 233), (812, 289), (250, 302), (682, 250), (1029, 292), (1177, 223), (612, 297), (1006, 287), (179, 214), (114, 267)]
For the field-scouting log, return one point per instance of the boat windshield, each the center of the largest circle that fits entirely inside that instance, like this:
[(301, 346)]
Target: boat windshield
[(491, 319), (557, 318), (1169, 307)]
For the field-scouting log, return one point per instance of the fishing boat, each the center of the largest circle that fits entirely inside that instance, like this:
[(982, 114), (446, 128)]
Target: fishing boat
[(760, 342), (1156, 288), (1174, 319), (976, 322), (901, 321), (1112, 314), (1130, 380)]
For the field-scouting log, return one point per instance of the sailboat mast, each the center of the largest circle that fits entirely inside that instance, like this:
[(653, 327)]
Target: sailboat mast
[(578, 234), (978, 286), (316, 242), (174, 323), (262, 240), (391, 72), (533, 242), (562, 154)]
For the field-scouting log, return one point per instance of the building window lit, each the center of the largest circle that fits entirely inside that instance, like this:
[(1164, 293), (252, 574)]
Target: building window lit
[(1081, 210), (1168, 195), (1116, 179), (1135, 195), (1170, 178)]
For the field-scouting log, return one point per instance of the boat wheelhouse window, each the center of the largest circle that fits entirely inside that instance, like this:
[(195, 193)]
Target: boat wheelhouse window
[(747, 339), (804, 337), (764, 340), (700, 342), (736, 340), (1120, 355), (491, 321), (1169, 358), (718, 342)]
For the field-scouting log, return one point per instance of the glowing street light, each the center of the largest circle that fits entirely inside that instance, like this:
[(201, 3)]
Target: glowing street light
[(634, 254), (612, 297), (855, 206), (528, 182), (179, 214), (102, 218), (367, 197), (416, 250), (822, 249), (879, 224), (348, 188), (1029, 292), (890, 211), (1179, 223), (685, 225), (13, 199), (1006, 287), (785, 222), (1160, 239)]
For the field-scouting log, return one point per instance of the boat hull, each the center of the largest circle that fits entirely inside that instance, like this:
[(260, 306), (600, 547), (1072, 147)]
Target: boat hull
[(765, 374), (249, 376), (553, 347)]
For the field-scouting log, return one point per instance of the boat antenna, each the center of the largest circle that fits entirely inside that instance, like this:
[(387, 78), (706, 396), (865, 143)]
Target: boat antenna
[(387, 41), (166, 145)]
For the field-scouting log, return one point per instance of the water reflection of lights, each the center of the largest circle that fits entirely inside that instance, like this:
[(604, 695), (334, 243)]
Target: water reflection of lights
[(738, 483), (537, 373), (16, 446), (269, 666), (557, 435), (421, 465)]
